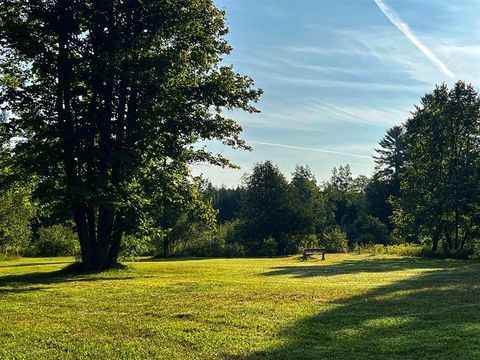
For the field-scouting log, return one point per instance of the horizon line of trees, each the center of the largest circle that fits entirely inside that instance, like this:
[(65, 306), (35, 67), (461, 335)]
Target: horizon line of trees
[(425, 189), (103, 104)]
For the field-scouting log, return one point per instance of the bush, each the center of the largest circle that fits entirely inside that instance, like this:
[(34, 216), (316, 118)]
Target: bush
[(16, 213), (335, 240), (472, 249), (309, 241), (223, 241), (269, 247), (132, 247), (401, 249), (366, 240), (57, 240), (368, 230), (211, 244), (296, 243), (235, 250), (9, 257)]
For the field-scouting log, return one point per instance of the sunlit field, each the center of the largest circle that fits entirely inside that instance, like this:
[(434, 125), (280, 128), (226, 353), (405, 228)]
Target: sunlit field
[(347, 307)]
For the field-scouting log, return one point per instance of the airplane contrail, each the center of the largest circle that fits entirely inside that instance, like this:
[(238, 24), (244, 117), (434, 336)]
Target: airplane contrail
[(405, 29), (310, 149)]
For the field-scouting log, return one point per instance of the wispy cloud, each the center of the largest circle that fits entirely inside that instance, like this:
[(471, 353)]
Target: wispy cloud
[(405, 29), (319, 116), (325, 151), (339, 84)]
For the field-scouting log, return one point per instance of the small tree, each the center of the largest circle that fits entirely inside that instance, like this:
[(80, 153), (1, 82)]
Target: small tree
[(309, 209), (265, 210), (16, 213), (57, 240), (368, 229), (335, 240)]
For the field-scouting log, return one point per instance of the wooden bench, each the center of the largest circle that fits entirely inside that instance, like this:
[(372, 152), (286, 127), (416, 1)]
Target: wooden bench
[(310, 252)]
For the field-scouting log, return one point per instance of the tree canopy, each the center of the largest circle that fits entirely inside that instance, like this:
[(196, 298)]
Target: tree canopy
[(106, 99), (440, 184)]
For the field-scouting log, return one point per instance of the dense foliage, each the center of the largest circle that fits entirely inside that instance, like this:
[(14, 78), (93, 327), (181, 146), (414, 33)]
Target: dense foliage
[(16, 213), (425, 190), (106, 100), (423, 194), (440, 182)]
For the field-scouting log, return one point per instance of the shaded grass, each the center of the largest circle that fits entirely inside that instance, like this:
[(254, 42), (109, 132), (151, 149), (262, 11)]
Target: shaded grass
[(347, 307)]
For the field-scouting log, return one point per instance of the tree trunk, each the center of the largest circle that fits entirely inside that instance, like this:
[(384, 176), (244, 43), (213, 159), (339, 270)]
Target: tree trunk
[(100, 245), (117, 233), (456, 243), (435, 239), (165, 245), (448, 248)]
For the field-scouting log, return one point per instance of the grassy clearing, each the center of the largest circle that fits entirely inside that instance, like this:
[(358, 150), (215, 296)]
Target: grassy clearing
[(347, 307)]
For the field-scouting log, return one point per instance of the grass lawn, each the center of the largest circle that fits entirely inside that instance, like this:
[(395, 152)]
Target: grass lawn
[(347, 307)]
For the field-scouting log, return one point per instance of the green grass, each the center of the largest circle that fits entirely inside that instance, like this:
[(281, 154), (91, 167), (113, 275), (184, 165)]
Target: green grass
[(347, 307)]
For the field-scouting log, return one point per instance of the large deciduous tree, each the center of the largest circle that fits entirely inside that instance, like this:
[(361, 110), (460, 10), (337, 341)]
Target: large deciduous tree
[(440, 183), (106, 99)]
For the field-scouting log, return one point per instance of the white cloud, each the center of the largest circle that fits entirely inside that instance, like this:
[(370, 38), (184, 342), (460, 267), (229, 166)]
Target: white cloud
[(466, 58), (394, 56)]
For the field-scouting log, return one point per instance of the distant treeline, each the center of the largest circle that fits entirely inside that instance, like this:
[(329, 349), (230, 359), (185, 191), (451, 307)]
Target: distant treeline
[(425, 190), (269, 215)]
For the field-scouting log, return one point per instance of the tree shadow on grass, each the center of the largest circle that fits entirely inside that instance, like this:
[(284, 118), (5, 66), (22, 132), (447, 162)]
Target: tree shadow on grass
[(34, 264), (434, 315), (174, 259), (361, 266), (40, 280)]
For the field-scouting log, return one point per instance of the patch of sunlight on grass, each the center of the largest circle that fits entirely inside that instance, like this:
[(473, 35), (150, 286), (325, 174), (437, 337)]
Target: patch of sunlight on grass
[(387, 321)]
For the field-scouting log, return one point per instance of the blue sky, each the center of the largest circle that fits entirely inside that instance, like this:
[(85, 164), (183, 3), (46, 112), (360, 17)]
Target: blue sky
[(338, 73)]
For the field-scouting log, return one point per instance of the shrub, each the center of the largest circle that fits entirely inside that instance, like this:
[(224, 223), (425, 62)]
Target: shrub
[(57, 240), (309, 241), (235, 250), (366, 239), (210, 244), (296, 243), (472, 249), (368, 230), (223, 241), (335, 240), (16, 213), (7, 257), (401, 249), (269, 247), (134, 246)]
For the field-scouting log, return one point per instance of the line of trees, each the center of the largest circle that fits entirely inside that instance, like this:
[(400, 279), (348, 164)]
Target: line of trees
[(425, 190), (272, 215), (440, 178), (102, 103)]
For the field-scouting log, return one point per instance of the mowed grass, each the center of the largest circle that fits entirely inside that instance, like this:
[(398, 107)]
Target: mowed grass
[(347, 307)]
